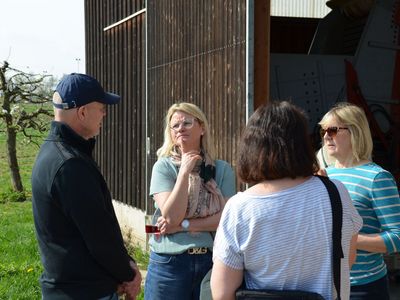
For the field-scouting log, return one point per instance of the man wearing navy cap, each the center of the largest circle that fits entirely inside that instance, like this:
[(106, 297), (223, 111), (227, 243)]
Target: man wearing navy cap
[(79, 237)]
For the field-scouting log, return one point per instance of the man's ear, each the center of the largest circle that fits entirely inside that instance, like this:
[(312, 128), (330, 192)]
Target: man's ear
[(81, 112)]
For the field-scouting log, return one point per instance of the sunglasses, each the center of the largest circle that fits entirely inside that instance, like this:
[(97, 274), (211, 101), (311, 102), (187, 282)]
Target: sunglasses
[(332, 131)]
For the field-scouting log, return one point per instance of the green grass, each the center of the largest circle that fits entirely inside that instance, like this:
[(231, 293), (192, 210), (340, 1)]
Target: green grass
[(20, 266), (141, 258)]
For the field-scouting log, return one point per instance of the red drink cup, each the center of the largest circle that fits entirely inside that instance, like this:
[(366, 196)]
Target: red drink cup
[(152, 229)]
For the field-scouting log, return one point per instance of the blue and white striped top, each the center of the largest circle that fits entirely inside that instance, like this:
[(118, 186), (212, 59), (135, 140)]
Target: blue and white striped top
[(375, 195), (283, 240)]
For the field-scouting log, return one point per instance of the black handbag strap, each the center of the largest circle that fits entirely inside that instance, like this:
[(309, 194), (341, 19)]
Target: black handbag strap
[(337, 219)]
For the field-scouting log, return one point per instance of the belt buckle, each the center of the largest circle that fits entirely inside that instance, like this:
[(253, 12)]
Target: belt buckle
[(200, 250)]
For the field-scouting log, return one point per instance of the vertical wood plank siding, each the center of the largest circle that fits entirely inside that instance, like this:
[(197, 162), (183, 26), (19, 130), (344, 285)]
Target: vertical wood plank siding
[(196, 53), (116, 57)]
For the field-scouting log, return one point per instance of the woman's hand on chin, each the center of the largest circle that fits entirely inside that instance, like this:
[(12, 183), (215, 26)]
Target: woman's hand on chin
[(189, 160)]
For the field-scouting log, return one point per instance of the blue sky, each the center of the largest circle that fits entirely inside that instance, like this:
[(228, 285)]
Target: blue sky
[(43, 35)]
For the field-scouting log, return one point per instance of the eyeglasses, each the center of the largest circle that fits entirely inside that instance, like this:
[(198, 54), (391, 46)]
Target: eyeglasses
[(187, 124), (332, 131)]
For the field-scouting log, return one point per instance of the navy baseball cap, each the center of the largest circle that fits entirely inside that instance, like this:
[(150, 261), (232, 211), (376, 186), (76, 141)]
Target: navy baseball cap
[(77, 90)]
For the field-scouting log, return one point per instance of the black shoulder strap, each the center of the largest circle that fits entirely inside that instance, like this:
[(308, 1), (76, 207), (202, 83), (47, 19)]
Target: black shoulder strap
[(337, 219)]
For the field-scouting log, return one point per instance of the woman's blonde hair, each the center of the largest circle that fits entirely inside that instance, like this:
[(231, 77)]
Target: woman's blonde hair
[(355, 119), (206, 142)]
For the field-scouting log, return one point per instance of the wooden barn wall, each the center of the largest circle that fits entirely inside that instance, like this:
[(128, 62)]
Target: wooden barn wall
[(196, 53), (116, 57)]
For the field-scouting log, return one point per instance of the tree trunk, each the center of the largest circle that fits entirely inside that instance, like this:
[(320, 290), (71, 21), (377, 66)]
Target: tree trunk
[(13, 161)]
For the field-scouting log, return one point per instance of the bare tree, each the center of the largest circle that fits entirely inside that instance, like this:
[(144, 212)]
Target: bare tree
[(24, 100)]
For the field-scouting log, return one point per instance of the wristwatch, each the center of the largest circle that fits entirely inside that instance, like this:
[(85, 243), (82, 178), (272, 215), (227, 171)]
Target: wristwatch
[(185, 224)]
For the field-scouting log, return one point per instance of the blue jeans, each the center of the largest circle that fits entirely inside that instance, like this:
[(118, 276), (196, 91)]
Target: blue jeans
[(171, 277), (378, 289)]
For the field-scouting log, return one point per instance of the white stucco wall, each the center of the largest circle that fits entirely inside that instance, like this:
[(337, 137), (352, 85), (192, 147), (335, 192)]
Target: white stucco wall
[(132, 221)]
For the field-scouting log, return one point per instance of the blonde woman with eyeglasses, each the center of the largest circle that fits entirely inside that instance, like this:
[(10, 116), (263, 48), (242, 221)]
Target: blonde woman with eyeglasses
[(347, 138), (190, 188)]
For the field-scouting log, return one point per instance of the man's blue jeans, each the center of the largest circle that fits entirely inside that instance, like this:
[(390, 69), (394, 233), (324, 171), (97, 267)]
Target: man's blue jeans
[(176, 276)]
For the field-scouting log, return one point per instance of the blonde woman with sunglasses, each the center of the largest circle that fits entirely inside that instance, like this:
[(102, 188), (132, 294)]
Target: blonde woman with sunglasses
[(347, 138)]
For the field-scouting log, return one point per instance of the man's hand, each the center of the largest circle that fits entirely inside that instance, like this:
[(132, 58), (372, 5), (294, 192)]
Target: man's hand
[(120, 289), (132, 288)]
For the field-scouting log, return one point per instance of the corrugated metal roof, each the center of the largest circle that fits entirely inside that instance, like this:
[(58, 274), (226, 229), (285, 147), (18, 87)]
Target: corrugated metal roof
[(299, 8)]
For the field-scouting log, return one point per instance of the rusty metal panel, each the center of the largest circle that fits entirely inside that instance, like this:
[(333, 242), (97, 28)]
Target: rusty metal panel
[(116, 57), (299, 8), (196, 53)]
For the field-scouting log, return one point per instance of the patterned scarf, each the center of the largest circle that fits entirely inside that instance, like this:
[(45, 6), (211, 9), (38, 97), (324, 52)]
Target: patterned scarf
[(204, 197)]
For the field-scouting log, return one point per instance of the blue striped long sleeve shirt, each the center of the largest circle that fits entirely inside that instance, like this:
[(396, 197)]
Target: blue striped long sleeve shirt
[(375, 195)]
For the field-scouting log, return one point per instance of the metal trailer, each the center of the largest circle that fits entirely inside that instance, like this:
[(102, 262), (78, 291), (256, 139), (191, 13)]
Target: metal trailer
[(355, 57)]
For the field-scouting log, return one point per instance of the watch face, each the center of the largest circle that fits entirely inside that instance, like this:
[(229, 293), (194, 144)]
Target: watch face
[(185, 224)]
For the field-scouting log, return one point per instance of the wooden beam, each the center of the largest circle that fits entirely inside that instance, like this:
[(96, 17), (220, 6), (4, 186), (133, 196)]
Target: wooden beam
[(262, 12)]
